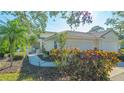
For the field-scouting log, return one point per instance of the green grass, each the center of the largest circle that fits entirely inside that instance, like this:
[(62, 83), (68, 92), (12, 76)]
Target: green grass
[(3, 64), (11, 77), (13, 73), (23, 71)]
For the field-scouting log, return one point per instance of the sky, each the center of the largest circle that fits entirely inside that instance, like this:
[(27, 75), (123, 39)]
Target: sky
[(99, 18)]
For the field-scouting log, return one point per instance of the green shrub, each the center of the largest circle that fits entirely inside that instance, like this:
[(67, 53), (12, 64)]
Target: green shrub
[(18, 57), (3, 48), (85, 65), (1, 55), (121, 57)]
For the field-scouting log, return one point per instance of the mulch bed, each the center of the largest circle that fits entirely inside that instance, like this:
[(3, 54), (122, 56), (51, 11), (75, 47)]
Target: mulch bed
[(7, 69), (41, 73), (36, 73)]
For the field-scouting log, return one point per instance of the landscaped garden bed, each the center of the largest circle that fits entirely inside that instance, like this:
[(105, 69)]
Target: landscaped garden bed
[(85, 65), (73, 64), (121, 57), (23, 70)]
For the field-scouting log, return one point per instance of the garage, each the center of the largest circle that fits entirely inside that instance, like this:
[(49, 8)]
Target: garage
[(81, 44), (109, 45)]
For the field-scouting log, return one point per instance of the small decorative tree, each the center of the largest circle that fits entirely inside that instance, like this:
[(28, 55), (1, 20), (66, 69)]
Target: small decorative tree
[(61, 39)]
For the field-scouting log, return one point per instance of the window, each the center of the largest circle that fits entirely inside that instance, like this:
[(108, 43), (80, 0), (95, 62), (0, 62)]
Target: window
[(55, 44)]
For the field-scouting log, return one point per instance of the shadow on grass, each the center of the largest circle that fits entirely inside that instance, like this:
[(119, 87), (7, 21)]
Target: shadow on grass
[(30, 72), (5, 68)]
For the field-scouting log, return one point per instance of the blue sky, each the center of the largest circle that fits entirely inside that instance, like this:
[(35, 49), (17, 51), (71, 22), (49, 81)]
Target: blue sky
[(99, 18)]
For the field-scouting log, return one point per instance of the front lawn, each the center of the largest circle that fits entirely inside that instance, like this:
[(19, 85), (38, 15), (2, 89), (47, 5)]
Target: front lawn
[(22, 70), (12, 77), (12, 73), (9, 76)]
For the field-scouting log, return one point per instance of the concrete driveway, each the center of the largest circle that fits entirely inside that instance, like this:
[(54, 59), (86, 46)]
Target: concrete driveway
[(118, 73), (119, 77)]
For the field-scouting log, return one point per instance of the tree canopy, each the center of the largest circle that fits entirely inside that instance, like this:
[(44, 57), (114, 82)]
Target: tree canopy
[(14, 35), (36, 21), (97, 29), (117, 23)]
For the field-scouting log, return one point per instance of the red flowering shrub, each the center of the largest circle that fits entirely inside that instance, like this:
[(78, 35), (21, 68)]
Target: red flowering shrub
[(85, 65)]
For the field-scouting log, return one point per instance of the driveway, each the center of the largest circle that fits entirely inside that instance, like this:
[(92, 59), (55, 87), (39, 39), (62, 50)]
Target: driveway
[(118, 73), (119, 77)]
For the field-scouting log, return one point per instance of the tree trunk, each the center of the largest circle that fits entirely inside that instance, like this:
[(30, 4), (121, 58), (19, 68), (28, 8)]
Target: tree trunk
[(11, 60), (11, 54)]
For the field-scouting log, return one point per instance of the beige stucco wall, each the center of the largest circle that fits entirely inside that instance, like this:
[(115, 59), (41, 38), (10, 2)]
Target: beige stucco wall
[(96, 43), (109, 42), (71, 43), (80, 43), (45, 35), (49, 44)]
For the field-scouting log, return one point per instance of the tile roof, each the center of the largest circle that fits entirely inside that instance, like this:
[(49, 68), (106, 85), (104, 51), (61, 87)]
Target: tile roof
[(89, 34), (77, 34)]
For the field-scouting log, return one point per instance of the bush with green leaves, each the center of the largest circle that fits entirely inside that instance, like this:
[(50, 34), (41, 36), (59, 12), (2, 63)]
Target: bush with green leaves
[(3, 48), (85, 65)]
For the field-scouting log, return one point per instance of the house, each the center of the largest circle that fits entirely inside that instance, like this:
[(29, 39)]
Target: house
[(106, 40)]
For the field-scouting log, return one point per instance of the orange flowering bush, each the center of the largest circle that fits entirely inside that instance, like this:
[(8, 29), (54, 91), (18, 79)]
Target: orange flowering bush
[(87, 64), (94, 55)]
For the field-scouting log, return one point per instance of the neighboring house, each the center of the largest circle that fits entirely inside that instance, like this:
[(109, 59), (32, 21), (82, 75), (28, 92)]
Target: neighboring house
[(106, 40)]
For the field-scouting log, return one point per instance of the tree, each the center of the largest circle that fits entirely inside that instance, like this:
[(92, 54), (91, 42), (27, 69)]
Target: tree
[(3, 48), (117, 23), (61, 39), (118, 13), (111, 22), (75, 18), (97, 29), (36, 21), (13, 33), (122, 43)]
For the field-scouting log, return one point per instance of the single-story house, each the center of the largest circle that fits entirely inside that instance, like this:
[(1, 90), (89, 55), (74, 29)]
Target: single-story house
[(106, 40)]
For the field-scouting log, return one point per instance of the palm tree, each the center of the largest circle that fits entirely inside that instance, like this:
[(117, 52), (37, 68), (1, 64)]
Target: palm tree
[(14, 34)]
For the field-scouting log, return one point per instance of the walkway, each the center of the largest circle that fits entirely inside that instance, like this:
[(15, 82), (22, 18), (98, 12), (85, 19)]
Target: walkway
[(35, 60)]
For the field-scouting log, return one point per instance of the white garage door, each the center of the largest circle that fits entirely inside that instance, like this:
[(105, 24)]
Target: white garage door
[(81, 44), (109, 45)]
